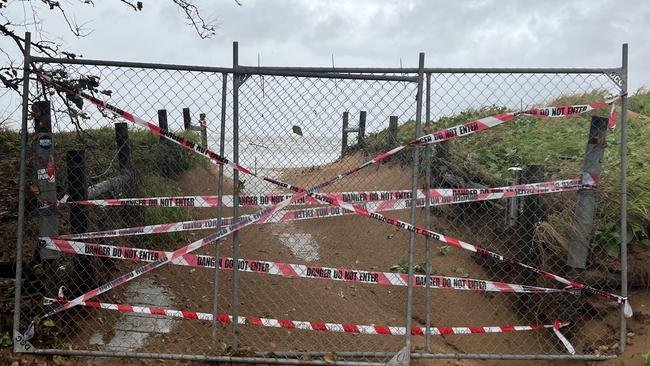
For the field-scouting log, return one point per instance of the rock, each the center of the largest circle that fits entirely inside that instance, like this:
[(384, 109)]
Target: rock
[(330, 357), (603, 349), (630, 334)]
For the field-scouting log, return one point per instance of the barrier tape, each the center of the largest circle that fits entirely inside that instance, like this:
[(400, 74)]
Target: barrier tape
[(436, 137), (568, 110), (613, 118), (244, 221), (489, 122), (477, 249), (352, 197), (291, 270), (556, 329), (315, 326), (438, 197), (462, 130), (241, 223)]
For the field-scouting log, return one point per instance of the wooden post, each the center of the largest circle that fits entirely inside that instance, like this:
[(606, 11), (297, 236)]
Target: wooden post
[(204, 130), (162, 121), (512, 208), (77, 190), (344, 136), (442, 150), (187, 120), (122, 142), (392, 131), (362, 129), (533, 209), (48, 220), (586, 205)]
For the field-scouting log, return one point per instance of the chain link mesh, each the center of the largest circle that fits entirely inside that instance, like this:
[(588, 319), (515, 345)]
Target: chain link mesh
[(290, 129)]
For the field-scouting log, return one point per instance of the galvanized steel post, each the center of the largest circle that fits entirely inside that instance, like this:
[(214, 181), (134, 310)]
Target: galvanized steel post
[(427, 224), (414, 189), (623, 197), (235, 192), (21, 192), (222, 141), (344, 134)]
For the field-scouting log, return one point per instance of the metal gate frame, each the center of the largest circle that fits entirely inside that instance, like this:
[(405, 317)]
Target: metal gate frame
[(618, 75)]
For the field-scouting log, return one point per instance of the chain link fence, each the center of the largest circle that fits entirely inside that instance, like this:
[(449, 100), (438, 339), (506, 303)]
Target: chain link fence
[(304, 126)]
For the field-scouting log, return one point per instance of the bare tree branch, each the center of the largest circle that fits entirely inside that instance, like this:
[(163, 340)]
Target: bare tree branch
[(205, 28)]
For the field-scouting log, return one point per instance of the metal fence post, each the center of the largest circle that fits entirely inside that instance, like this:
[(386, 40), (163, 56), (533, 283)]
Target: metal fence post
[(48, 220), (21, 195), (427, 223), (344, 134), (222, 141), (236, 188), (623, 197), (414, 190)]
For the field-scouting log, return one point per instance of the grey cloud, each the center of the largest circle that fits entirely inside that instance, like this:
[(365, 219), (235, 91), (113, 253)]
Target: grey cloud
[(374, 33)]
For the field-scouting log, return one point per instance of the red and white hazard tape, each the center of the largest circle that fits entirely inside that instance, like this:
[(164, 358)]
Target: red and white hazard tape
[(438, 197), (447, 134), (457, 194), (477, 249), (489, 122), (241, 223), (465, 129), (291, 270), (315, 326)]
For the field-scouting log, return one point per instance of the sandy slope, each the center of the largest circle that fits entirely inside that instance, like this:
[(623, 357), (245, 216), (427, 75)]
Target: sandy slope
[(353, 242)]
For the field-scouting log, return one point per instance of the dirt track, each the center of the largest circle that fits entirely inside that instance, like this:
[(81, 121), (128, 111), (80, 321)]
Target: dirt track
[(351, 242)]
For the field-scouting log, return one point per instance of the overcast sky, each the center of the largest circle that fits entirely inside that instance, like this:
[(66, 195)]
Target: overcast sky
[(365, 33)]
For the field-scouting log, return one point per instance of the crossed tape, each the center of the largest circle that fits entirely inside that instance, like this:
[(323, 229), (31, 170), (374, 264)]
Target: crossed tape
[(436, 137)]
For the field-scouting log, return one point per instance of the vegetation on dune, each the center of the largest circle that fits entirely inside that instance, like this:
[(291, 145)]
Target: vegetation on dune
[(640, 102), (558, 144), (155, 168)]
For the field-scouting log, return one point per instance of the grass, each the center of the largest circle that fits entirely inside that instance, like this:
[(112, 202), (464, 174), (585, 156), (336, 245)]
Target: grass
[(558, 145), (155, 166), (640, 102)]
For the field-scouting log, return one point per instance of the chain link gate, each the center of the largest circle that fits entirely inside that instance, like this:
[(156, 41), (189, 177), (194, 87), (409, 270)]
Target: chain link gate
[(313, 263)]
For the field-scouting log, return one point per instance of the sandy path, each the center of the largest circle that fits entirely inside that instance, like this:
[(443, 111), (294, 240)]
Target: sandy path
[(353, 242)]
